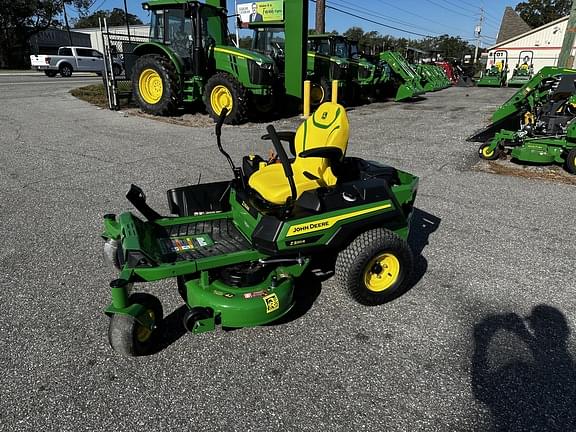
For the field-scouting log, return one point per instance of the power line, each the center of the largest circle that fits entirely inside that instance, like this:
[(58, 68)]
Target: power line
[(376, 14), (375, 22), (449, 10)]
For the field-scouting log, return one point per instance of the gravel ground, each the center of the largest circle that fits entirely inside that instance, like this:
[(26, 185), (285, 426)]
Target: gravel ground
[(481, 342)]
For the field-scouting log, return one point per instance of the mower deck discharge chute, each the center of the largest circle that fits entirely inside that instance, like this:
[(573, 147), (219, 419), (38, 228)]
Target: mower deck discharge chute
[(237, 248)]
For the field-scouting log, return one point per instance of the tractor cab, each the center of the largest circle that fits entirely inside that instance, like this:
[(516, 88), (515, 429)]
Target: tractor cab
[(272, 42), (189, 29)]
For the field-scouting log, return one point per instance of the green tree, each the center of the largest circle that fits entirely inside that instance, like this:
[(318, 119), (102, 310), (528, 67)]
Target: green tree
[(20, 19), (115, 17), (539, 12)]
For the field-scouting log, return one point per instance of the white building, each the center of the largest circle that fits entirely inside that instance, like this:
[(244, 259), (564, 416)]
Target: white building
[(542, 45), (96, 34)]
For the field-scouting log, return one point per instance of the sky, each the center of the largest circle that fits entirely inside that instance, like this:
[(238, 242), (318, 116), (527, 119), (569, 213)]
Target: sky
[(421, 17)]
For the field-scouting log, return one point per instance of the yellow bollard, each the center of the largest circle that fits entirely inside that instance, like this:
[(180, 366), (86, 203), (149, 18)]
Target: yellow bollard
[(306, 99), (335, 91)]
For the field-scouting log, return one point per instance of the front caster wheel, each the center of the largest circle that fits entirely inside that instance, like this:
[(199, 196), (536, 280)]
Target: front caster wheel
[(130, 338), (375, 267), (193, 316), (485, 152)]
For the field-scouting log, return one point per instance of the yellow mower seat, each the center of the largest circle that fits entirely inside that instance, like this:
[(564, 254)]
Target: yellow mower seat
[(320, 139)]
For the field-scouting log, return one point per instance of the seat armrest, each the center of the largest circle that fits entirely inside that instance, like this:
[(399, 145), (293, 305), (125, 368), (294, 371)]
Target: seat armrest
[(287, 136), (330, 153)]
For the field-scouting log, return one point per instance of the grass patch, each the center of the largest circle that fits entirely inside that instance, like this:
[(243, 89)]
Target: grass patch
[(96, 94)]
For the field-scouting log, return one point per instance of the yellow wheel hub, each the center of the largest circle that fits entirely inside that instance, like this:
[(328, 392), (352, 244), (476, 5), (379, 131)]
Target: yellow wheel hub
[(487, 153), (221, 98), (382, 272), (150, 86), (316, 94), (144, 333)]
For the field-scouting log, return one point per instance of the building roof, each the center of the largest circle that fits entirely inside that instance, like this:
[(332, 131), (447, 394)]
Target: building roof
[(511, 25), (532, 31)]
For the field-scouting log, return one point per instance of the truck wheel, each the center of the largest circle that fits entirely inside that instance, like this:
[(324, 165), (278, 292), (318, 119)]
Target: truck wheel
[(224, 91), (155, 85), (65, 70), (50, 73), (486, 153), (375, 267), (127, 336), (571, 161)]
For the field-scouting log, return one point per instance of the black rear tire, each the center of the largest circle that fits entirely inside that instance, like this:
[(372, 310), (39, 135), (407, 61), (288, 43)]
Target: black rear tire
[(223, 90), (65, 70), (127, 336), (320, 92), (571, 161), (171, 96), (375, 268), (50, 73)]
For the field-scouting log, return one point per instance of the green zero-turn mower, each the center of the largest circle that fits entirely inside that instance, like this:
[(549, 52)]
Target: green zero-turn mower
[(497, 74), (524, 70), (238, 247), (536, 125), (188, 60)]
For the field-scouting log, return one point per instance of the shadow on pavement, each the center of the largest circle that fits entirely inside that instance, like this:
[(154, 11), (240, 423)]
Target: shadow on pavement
[(422, 226), (525, 374)]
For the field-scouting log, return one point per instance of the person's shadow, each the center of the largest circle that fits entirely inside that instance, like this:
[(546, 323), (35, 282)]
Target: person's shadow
[(531, 392)]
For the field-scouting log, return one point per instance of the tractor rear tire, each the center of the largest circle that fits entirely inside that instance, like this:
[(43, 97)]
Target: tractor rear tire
[(155, 85), (487, 154), (375, 268), (127, 336), (571, 161), (224, 91)]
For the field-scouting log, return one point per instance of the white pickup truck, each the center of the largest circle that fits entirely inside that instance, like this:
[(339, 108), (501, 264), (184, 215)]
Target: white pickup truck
[(72, 59)]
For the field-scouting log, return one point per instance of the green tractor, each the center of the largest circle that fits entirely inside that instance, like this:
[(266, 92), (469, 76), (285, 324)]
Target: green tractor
[(238, 248), (188, 60), (404, 82), (545, 109)]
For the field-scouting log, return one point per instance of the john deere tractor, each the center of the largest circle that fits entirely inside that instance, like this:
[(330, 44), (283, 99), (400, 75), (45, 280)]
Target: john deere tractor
[(188, 60)]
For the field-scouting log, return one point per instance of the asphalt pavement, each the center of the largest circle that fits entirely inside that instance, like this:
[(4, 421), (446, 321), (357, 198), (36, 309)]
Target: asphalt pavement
[(482, 341)]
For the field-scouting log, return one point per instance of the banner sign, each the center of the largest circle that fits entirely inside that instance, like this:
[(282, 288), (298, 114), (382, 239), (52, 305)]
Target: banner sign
[(260, 11)]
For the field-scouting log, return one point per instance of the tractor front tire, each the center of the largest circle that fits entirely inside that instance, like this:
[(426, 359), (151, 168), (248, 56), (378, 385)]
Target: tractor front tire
[(571, 161), (155, 85), (130, 338), (485, 153), (224, 91), (375, 268), (320, 92)]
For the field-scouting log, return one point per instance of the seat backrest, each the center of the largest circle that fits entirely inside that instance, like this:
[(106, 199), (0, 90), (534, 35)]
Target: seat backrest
[(326, 134)]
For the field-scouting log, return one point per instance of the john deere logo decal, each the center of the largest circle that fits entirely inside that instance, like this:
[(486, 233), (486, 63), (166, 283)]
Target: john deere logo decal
[(323, 224), (271, 302), (324, 115)]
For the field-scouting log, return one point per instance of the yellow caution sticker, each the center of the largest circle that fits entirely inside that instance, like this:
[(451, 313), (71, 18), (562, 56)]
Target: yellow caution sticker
[(322, 224), (272, 303)]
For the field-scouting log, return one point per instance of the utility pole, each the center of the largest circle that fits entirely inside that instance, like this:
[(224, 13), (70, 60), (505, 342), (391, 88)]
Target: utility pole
[(66, 22), (478, 33), (320, 16), (566, 59), (127, 21)]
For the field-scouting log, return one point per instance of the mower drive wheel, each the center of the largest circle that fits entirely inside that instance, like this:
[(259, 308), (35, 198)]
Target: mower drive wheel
[(375, 267), (130, 338), (155, 85), (485, 153), (224, 91), (571, 161)]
